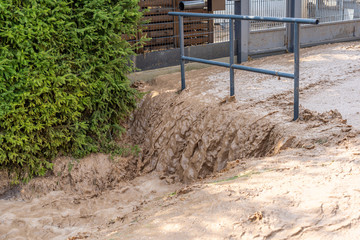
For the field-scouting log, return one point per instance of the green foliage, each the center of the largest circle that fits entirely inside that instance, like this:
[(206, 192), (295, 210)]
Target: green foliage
[(63, 84)]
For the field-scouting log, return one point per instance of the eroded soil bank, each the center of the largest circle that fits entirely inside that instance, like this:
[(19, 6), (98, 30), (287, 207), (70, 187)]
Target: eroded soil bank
[(214, 167), (188, 138)]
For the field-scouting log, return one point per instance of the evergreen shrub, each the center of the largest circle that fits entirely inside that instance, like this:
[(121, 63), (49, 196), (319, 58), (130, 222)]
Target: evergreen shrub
[(63, 79)]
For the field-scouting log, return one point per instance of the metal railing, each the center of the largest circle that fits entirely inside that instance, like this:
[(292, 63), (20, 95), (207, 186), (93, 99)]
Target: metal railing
[(231, 65)]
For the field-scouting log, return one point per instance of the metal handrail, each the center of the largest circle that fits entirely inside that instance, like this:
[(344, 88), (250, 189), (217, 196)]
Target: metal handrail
[(231, 65), (246, 17)]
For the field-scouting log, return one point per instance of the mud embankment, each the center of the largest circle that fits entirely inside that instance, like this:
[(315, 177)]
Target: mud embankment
[(188, 139), (88, 176), (185, 137)]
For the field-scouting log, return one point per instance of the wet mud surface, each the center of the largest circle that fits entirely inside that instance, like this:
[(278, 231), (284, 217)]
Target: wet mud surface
[(189, 140), (213, 166)]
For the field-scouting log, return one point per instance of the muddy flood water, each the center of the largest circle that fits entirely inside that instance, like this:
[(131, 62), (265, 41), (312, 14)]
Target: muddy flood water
[(214, 166)]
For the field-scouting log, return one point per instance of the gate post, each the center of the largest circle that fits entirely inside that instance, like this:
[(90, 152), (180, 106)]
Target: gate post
[(242, 32), (293, 9)]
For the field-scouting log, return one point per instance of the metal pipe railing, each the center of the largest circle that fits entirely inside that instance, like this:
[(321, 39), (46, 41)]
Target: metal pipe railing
[(246, 17), (231, 65), (296, 70), (191, 5), (182, 51), (232, 74)]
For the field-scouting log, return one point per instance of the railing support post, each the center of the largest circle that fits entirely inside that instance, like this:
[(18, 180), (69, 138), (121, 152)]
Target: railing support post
[(296, 69), (293, 10), (231, 36), (242, 30), (182, 51)]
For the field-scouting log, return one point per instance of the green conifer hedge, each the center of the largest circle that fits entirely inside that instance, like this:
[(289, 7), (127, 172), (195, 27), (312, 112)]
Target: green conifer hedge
[(63, 84)]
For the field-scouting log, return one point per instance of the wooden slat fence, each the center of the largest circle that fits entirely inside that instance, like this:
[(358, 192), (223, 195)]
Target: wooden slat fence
[(163, 29)]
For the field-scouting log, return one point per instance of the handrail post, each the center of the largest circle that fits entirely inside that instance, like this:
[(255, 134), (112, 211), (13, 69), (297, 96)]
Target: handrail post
[(182, 51), (293, 10), (231, 36), (242, 31), (296, 70)]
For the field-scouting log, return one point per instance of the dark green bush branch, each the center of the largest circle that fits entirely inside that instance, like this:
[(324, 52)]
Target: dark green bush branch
[(63, 84)]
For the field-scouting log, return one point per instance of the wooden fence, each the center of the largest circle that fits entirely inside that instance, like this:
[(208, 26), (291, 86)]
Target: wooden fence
[(164, 29)]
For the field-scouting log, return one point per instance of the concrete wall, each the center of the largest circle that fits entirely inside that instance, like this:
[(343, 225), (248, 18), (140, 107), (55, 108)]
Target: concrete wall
[(260, 42), (330, 32), (267, 41), (171, 57)]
